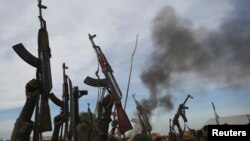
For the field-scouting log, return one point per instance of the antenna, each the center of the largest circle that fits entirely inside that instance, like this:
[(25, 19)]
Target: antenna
[(131, 65)]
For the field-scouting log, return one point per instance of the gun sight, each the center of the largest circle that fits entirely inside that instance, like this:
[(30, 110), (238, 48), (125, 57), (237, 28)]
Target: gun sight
[(64, 66), (190, 96), (42, 6), (92, 36)]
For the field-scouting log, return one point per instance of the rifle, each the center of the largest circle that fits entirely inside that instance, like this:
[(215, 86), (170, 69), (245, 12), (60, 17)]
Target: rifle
[(63, 118), (74, 110), (180, 112), (123, 121), (143, 118), (65, 102), (216, 115), (43, 74)]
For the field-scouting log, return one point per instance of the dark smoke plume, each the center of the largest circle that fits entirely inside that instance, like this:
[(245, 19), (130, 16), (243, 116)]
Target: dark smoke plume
[(222, 55)]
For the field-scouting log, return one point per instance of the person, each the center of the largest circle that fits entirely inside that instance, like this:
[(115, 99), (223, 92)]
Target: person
[(23, 125), (58, 120)]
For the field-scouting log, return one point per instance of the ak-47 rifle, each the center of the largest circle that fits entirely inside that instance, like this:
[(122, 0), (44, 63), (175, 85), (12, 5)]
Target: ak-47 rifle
[(143, 118), (180, 112), (123, 120), (216, 115), (43, 75), (63, 117), (65, 96), (74, 111)]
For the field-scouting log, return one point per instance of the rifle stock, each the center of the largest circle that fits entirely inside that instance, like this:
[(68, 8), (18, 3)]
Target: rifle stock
[(123, 120), (45, 123)]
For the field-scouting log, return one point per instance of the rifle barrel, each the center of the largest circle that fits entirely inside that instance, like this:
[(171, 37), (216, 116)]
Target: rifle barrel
[(189, 96)]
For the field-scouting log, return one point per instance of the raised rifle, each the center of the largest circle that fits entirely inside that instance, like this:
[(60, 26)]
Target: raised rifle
[(74, 110), (43, 75), (123, 120), (180, 112), (65, 96), (61, 121), (216, 115), (143, 118)]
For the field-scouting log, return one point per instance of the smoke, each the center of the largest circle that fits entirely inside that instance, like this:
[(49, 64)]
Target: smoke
[(220, 55)]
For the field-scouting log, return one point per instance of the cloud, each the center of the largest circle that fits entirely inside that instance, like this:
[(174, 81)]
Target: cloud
[(219, 56), (6, 129)]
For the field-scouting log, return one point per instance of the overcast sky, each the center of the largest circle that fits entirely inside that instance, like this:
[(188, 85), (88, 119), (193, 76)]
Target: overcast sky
[(200, 47)]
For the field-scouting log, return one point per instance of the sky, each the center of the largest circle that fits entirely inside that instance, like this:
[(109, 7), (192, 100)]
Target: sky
[(197, 47)]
